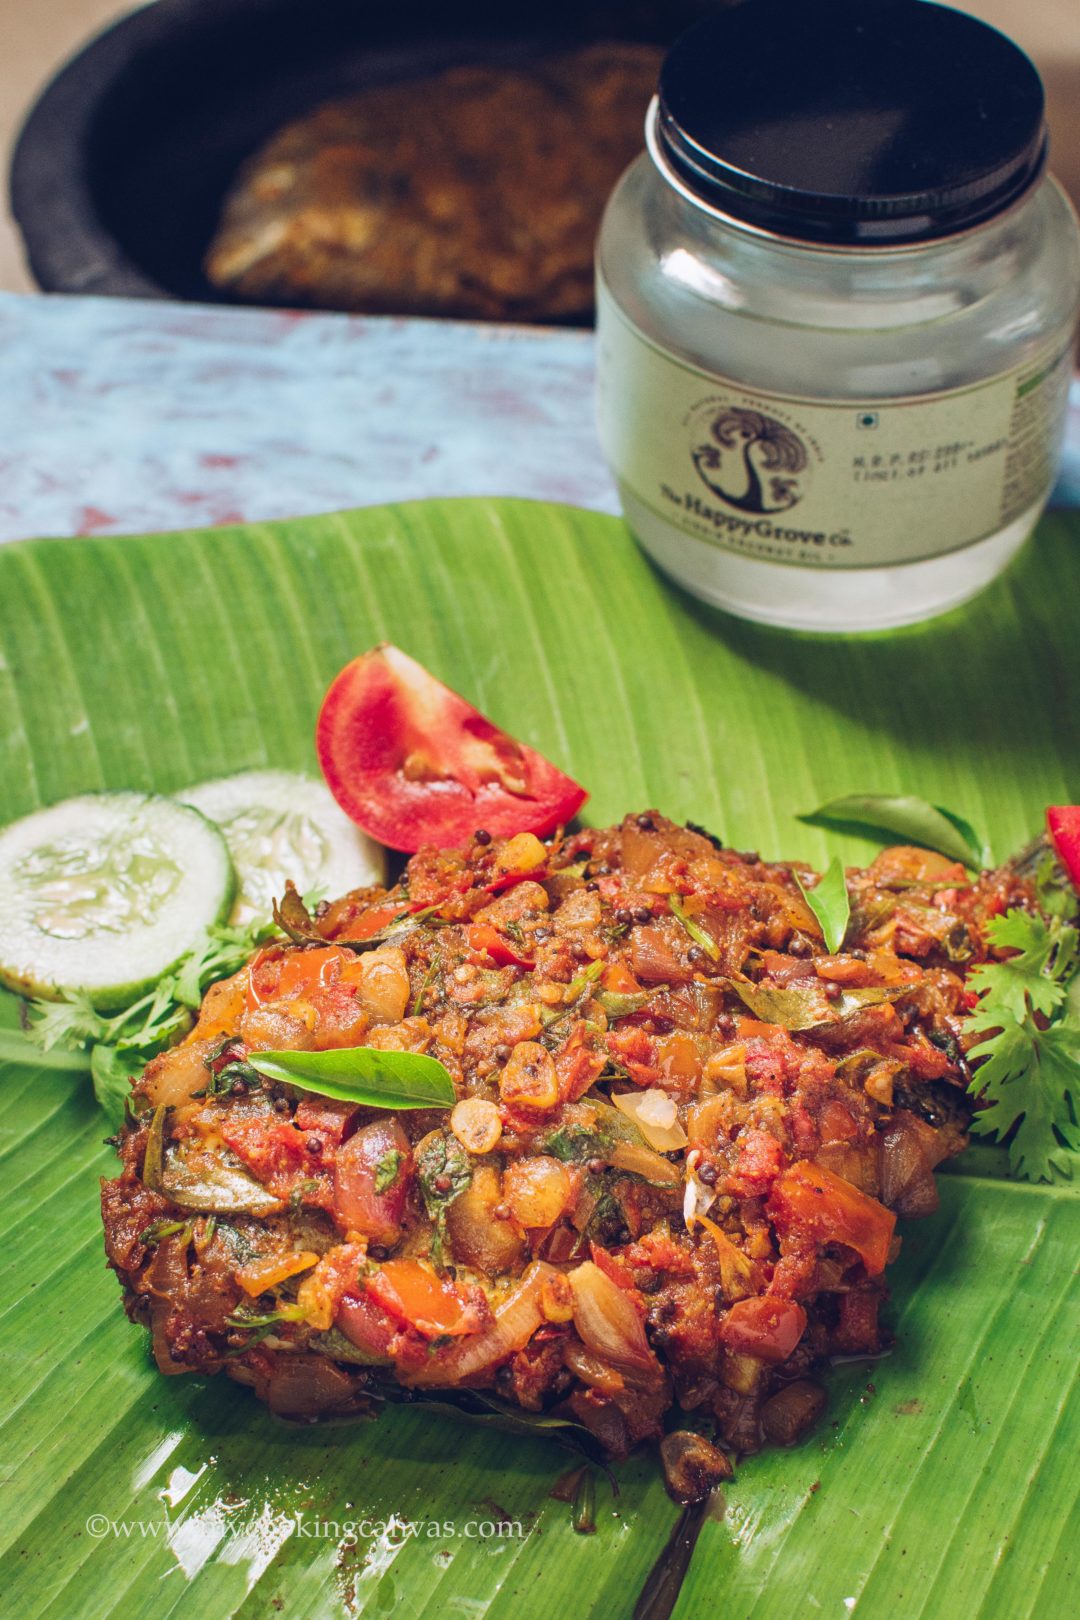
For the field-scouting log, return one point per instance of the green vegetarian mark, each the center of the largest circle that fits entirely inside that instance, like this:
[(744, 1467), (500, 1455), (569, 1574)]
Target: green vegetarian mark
[(906, 816), (363, 1074), (829, 902)]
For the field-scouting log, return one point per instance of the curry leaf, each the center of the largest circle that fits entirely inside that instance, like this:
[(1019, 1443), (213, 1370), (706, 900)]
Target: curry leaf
[(906, 816), (829, 902), (694, 929), (807, 1006), (363, 1074)]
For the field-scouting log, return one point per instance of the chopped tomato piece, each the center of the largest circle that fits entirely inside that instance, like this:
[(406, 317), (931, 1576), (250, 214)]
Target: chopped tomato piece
[(412, 1293), (1063, 823), (279, 975), (412, 763), (763, 1326), (329, 1118), (305, 971), (488, 941), (813, 1203), (273, 1149), (617, 977), (758, 1165), (375, 919)]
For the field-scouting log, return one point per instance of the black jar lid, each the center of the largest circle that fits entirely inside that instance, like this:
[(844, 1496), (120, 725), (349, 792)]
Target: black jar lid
[(870, 122)]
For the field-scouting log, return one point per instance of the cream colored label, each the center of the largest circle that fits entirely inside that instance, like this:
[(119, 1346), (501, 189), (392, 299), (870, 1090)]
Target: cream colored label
[(857, 484)]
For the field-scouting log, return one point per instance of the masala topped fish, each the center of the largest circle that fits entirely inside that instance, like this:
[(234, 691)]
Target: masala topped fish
[(684, 1131)]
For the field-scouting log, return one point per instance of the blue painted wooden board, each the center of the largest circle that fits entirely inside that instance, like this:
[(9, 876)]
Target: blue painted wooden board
[(119, 416)]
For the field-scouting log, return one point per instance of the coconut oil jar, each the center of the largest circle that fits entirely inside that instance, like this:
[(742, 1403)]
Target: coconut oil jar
[(837, 302)]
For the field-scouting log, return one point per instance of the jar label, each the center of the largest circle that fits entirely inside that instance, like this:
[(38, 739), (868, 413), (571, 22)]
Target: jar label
[(820, 482)]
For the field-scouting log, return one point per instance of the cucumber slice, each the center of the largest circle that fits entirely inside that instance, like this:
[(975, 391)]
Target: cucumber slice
[(279, 825), (104, 893)]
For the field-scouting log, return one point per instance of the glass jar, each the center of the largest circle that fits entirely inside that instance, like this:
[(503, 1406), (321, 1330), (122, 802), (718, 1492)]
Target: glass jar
[(837, 301)]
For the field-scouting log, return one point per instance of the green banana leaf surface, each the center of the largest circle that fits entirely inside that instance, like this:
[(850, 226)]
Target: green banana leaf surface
[(941, 1481)]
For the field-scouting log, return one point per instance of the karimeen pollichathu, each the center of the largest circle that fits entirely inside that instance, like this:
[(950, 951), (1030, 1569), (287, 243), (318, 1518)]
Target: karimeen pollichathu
[(683, 1136)]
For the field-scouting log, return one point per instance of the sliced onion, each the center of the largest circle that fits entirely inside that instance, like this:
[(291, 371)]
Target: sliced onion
[(607, 1322), (305, 1386), (692, 1465), (656, 1117), (516, 1320), (638, 1160), (592, 1370), (908, 1150), (653, 959)]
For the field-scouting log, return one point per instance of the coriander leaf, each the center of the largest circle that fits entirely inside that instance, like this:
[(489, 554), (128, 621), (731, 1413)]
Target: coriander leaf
[(1027, 1066), (111, 1073), (829, 902), (1035, 976), (217, 953), (694, 929), (907, 816), (1055, 895), (1030, 1075), (807, 1006), (386, 1171), (363, 1074), (65, 1023), (152, 1021)]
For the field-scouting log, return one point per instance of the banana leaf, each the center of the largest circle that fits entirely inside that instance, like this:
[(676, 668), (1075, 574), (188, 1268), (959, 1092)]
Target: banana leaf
[(940, 1481)]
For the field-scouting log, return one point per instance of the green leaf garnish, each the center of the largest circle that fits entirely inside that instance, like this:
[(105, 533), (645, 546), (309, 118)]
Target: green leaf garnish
[(386, 1171), (694, 929), (1028, 1065), (907, 816), (111, 1073), (806, 1006), (829, 902), (363, 1074)]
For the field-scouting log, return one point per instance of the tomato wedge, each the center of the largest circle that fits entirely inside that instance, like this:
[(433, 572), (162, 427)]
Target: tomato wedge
[(1063, 824), (813, 1203), (412, 763)]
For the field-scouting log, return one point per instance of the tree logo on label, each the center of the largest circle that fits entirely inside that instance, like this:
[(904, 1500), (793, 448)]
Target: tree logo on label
[(751, 461)]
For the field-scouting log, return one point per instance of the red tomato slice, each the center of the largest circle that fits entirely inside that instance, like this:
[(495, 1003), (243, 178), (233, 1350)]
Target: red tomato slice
[(765, 1327), (412, 763), (813, 1203), (486, 940), (1063, 822), (410, 1293)]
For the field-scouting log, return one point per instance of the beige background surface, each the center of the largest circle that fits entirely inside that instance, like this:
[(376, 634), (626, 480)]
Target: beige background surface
[(36, 36)]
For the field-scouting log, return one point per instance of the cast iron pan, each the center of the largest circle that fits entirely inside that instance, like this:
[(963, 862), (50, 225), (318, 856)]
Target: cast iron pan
[(119, 172)]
